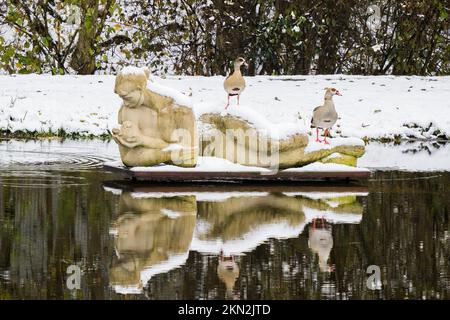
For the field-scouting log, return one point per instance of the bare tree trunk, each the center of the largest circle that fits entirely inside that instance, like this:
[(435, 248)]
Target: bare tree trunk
[(83, 57)]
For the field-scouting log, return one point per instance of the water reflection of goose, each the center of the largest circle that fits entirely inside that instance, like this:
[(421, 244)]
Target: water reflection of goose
[(239, 225), (228, 273), (321, 241), (155, 234)]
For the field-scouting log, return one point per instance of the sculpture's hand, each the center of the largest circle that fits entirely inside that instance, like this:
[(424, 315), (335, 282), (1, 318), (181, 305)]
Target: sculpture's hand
[(188, 153), (116, 135), (129, 142), (132, 142)]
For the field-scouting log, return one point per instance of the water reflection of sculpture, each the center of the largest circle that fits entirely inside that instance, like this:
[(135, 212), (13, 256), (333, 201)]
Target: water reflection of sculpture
[(155, 234)]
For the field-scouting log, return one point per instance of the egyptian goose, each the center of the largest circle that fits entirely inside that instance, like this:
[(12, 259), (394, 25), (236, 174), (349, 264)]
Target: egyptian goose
[(325, 116), (234, 84)]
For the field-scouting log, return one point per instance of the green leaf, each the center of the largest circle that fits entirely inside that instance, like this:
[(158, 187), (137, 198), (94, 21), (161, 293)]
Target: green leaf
[(88, 22), (45, 41)]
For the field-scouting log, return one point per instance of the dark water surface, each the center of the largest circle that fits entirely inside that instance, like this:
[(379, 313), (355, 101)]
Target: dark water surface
[(215, 243)]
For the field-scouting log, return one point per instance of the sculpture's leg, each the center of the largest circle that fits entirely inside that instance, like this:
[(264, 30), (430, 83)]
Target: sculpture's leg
[(228, 103), (182, 158), (317, 135), (325, 139)]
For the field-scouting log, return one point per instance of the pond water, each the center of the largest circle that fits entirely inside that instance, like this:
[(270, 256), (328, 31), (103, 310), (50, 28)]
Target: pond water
[(58, 208)]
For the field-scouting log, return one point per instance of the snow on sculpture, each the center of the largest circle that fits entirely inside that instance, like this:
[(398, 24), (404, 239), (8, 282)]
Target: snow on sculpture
[(239, 136), (156, 125)]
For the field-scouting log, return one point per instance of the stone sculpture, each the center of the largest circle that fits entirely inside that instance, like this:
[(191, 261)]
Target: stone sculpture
[(155, 128), (233, 136), (158, 126)]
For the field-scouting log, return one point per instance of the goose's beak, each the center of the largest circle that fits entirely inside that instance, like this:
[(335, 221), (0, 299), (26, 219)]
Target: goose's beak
[(338, 93)]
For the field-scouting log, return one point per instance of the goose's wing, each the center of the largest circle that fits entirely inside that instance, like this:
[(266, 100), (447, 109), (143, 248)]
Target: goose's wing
[(234, 84), (314, 113), (231, 73), (228, 79), (315, 110)]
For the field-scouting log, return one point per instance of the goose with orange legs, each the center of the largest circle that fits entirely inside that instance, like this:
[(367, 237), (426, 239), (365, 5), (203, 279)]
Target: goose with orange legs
[(234, 84), (325, 116)]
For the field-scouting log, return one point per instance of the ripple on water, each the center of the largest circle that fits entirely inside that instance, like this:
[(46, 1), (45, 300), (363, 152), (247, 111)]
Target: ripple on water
[(48, 166), (39, 179), (435, 176), (16, 160)]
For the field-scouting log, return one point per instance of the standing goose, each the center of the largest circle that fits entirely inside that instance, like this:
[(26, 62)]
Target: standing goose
[(325, 116), (234, 84)]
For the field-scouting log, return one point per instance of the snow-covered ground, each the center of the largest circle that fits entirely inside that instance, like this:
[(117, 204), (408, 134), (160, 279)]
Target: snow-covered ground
[(418, 156), (372, 106)]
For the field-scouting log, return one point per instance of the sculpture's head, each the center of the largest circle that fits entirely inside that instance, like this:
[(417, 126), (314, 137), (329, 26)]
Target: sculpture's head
[(130, 84)]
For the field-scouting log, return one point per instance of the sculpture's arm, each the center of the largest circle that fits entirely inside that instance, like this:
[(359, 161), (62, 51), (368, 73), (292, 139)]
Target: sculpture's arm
[(139, 141), (152, 142), (119, 116)]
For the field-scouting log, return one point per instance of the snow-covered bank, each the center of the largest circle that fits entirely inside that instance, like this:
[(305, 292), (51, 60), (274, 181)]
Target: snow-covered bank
[(374, 107), (417, 156)]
